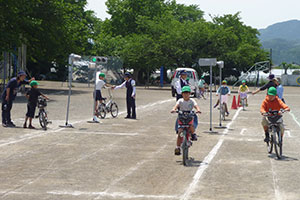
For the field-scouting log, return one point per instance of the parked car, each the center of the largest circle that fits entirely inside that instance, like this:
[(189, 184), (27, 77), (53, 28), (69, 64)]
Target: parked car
[(192, 75)]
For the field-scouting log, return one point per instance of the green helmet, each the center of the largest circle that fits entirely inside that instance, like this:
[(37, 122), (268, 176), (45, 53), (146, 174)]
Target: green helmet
[(186, 89), (102, 75), (243, 81), (224, 81), (272, 91), (32, 83)]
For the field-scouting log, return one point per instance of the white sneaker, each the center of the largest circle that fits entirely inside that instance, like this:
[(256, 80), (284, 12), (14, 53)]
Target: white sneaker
[(95, 119)]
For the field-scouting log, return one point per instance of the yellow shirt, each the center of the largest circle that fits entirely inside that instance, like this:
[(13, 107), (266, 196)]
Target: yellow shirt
[(243, 88)]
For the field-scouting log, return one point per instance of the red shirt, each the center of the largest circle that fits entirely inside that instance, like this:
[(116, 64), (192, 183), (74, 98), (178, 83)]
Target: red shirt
[(276, 104)]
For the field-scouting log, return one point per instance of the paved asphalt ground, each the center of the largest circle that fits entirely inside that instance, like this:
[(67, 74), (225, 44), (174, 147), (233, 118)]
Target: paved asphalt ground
[(134, 159)]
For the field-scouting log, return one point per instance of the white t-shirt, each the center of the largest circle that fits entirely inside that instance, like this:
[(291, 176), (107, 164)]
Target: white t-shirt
[(100, 84), (186, 105)]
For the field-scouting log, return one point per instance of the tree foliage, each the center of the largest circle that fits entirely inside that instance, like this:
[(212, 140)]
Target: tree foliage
[(145, 34)]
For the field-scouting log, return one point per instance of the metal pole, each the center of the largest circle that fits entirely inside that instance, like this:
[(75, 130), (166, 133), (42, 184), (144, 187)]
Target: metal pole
[(94, 99), (220, 124), (69, 96), (210, 88), (70, 70)]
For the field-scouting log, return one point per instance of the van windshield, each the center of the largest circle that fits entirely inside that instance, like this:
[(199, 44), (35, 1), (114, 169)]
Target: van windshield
[(189, 74)]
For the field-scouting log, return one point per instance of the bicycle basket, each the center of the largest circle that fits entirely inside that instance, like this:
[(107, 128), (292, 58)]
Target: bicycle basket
[(42, 103), (185, 118), (274, 119)]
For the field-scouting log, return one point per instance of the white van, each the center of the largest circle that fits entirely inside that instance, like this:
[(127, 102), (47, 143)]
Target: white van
[(192, 75)]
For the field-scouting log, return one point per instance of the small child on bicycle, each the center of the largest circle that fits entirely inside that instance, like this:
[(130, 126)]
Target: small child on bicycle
[(271, 102), (185, 104), (224, 91), (32, 96), (243, 90), (201, 85), (99, 85)]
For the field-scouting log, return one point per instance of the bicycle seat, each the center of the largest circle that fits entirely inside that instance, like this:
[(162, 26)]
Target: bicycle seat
[(104, 99)]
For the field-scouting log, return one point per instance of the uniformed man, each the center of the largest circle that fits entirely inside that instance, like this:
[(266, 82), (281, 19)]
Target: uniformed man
[(181, 83), (129, 83), (8, 96)]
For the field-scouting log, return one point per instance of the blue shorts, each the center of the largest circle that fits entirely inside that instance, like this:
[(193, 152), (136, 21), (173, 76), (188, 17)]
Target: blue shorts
[(98, 96)]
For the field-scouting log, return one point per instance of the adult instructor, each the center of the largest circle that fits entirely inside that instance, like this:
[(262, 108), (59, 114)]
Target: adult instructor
[(271, 83), (8, 96)]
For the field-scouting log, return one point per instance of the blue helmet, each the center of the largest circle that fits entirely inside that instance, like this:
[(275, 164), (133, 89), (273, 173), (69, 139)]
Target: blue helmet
[(21, 73), (127, 74), (183, 72)]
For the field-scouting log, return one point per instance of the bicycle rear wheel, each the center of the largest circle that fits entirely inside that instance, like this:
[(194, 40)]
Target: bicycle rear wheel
[(43, 119), (114, 110), (101, 110), (185, 148)]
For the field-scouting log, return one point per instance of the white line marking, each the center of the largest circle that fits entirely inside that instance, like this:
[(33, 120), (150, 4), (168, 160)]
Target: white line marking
[(275, 182), (44, 133), (295, 119), (205, 164), (242, 131), (288, 133), (123, 195), (133, 169), (103, 133)]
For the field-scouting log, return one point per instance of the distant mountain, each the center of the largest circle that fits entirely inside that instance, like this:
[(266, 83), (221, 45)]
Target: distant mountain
[(284, 40)]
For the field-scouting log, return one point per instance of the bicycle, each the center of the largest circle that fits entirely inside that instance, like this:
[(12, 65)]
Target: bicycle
[(185, 120), (274, 119), (243, 100), (42, 115), (106, 107)]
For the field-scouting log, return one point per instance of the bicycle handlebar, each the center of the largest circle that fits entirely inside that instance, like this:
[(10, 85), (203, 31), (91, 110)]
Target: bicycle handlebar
[(274, 112)]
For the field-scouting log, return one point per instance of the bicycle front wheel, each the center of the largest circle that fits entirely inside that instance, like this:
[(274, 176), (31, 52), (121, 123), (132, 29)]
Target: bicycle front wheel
[(270, 145), (279, 144), (223, 112), (42, 119), (185, 148), (101, 110), (114, 110)]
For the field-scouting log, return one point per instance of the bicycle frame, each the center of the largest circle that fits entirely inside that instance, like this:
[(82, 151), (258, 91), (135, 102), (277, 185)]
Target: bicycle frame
[(276, 134)]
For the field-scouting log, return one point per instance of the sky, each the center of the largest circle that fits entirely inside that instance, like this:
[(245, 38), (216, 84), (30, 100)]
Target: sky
[(256, 13)]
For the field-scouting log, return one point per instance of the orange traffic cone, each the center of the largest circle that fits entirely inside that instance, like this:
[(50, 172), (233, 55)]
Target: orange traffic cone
[(239, 101), (233, 105)]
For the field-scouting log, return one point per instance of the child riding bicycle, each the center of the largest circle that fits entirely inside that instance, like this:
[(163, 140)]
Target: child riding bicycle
[(271, 102), (201, 85), (98, 95), (224, 91), (185, 104), (243, 90)]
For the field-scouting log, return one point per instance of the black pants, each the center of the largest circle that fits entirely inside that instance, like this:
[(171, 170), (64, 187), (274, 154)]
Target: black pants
[(6, 108), (178, 96), (130, 101)]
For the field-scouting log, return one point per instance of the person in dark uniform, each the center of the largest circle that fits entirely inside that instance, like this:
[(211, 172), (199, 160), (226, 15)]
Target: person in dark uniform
[(8, 96), (181, 83), (129, 83), (32, 96), (271, 83)]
